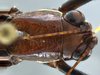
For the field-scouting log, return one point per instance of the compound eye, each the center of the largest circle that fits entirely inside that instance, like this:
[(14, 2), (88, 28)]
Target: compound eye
[(74, 17)]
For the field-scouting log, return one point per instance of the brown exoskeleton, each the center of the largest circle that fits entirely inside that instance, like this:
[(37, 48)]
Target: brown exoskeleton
[(48, 36)]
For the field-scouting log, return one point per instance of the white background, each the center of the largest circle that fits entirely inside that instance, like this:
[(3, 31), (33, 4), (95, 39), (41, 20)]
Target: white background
[(91, 11)]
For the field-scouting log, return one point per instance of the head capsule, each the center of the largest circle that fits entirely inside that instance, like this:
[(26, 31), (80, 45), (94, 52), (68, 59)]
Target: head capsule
[(74, 20)]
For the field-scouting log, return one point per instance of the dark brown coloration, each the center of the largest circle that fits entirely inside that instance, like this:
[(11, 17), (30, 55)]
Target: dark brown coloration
[(62, 66), (36, 23), (74, 17), (52, 38), (5, 58), (14, 10), (4, 12), (91, 45), (72, 5)]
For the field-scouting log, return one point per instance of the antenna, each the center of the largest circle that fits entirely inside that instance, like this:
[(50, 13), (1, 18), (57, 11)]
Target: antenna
[(82, 29)]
